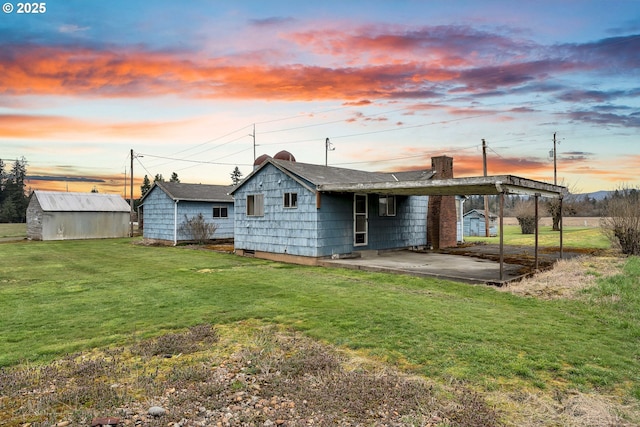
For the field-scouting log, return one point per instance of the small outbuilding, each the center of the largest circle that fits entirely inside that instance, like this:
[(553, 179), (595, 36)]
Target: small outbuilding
[(475, 223), (167, 205), (56, 215)]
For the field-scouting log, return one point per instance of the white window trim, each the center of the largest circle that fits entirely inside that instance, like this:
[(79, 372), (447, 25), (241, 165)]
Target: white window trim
[(226, 208), (258, 205), (288, 202), (387, 205), (366, 219)]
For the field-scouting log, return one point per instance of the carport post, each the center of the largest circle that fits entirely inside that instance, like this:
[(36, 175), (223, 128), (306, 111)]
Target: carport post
[(561, 227), (501, 236), (535, 198)]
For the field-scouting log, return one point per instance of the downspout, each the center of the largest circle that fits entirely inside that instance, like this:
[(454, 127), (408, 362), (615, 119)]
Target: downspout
[(175, 223), (462, 200)]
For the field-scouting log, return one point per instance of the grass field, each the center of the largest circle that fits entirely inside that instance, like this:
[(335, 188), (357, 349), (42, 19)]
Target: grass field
[(60, 297), (13, 230), (575, 237)]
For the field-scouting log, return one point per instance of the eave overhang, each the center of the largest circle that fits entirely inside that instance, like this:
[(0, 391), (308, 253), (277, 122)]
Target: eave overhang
[(483, 185)]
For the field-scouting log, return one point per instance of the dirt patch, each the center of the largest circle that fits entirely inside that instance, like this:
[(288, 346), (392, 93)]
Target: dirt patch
[(240, 377), (567, 278)]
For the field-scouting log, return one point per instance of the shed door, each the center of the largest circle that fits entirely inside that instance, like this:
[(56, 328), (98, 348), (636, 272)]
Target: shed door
[(360, 220)]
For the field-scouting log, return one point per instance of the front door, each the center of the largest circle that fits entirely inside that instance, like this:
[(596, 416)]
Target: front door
[(360, 220)]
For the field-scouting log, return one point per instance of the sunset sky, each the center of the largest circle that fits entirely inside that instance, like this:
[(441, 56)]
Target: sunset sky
[(390, 83)]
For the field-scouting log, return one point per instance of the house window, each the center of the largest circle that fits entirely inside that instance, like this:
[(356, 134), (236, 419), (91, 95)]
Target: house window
[(220, 212), (255, 205), (290, 200), (387, 205)]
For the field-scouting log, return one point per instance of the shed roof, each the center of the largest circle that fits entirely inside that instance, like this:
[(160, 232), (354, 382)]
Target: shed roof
[(196, 192), (58, 201), (481, 213)]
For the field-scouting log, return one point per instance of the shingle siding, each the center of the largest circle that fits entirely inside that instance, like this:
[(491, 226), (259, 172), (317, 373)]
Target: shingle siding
[(280, 230), (324, 231), (160, 221), (158, 216)]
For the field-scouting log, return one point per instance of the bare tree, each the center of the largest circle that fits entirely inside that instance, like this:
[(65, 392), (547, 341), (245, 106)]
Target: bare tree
[(524, 211), (621, 220), (569, 205), (198, 229)]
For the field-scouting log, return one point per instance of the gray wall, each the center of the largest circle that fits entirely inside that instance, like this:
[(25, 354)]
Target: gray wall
[(83, 225), (159, 216)]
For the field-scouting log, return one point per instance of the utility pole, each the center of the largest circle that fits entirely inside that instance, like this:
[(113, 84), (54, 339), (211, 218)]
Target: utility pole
[(555, 169), (131, 195), (253, 135), (486, 197), (327, 147)]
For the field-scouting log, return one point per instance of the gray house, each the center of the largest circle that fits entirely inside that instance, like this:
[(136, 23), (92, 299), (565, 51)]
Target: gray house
[(475, 223), (55, 215), (282, 213), (167, 205)]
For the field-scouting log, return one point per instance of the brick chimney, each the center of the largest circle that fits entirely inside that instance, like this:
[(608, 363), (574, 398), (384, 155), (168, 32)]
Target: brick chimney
[(441, 216)]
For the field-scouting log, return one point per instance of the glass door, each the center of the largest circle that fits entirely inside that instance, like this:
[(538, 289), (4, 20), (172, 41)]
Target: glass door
[(360, 220)]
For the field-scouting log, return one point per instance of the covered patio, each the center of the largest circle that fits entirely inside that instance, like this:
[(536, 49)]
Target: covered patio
[(500, 185)]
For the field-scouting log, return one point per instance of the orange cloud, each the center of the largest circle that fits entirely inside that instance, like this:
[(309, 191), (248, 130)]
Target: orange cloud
[(59, 70), (77, 181), (40, 126)]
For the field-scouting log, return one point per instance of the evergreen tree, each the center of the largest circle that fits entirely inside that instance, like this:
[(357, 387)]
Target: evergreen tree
[(158, 178), (174, 177), (3, 178), (14, 200), (236, 176), (145, 187)]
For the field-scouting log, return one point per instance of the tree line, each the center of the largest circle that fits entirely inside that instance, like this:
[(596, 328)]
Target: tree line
[(13, 195)]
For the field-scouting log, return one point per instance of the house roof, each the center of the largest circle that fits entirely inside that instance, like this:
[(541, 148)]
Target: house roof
[(195, 192), (58, 201), (333, 179), (318, 175)]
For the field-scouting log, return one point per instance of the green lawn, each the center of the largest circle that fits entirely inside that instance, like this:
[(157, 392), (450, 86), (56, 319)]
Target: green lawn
[(574, 237), (13, 230), (60, 297)]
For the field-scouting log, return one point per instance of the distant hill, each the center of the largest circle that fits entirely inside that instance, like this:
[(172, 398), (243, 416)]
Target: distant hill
[(599, 195), (596, 195)]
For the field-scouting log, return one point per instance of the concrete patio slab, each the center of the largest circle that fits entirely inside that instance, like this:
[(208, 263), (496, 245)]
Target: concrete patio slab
[(431, 264)]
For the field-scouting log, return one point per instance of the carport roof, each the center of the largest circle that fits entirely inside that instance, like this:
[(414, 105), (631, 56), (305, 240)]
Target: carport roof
[(482, 185)]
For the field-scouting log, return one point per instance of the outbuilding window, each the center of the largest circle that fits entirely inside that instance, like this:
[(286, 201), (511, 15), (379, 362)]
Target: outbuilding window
[(290, 200), (387, 205), (220, 212), (255, 205)]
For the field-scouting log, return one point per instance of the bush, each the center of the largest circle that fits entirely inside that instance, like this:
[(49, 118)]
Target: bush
[(198, 229), (621, 221), (524, 211)]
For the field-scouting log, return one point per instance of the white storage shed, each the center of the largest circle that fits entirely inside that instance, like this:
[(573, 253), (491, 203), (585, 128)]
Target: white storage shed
[(55, 215)]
